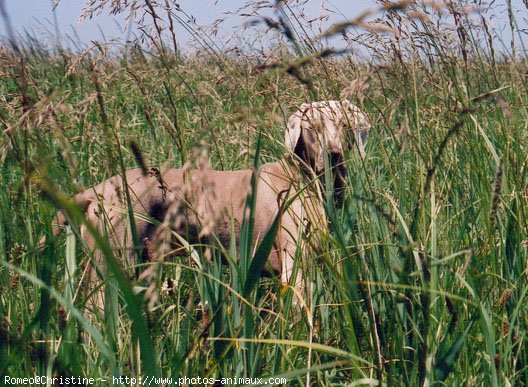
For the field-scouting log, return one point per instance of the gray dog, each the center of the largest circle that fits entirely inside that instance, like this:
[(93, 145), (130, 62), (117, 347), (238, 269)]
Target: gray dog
[(198, 204)]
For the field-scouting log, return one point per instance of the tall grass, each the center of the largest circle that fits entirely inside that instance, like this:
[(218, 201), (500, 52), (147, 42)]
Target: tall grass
[(422, 279)]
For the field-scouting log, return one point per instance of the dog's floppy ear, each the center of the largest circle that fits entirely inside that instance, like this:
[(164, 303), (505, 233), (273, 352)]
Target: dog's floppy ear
[(302, 140), (356, 126), (293, 129)]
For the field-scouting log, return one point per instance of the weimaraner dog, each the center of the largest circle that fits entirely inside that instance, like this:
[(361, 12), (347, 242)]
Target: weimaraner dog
[(197, 204), (323, 127)]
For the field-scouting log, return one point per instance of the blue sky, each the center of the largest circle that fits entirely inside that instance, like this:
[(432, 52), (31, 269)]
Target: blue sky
[(37, 17)]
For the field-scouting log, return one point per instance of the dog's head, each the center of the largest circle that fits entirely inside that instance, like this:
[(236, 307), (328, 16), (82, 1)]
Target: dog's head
[(327, 126)]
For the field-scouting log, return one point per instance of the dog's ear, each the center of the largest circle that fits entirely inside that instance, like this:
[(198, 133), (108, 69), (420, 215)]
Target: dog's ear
[(302, 140), (293, 129), (357, 126)]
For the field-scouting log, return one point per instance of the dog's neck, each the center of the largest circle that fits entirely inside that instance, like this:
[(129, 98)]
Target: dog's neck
[(296, 166)]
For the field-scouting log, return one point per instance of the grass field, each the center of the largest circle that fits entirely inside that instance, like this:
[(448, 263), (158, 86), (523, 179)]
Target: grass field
[(422, 279)]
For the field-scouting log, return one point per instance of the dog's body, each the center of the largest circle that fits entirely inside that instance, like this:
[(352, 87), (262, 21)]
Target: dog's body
[(198, 204)]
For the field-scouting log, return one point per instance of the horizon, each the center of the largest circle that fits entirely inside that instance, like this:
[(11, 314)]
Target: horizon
[(62, 26)]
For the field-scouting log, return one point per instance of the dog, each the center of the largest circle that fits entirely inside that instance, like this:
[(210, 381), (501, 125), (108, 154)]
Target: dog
[(325, 127), (200, 205)]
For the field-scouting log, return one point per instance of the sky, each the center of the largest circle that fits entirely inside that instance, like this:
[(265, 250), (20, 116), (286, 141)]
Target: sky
[(38, 17)]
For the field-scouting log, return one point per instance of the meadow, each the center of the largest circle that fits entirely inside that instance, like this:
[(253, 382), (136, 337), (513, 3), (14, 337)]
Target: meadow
[(422, 278)]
